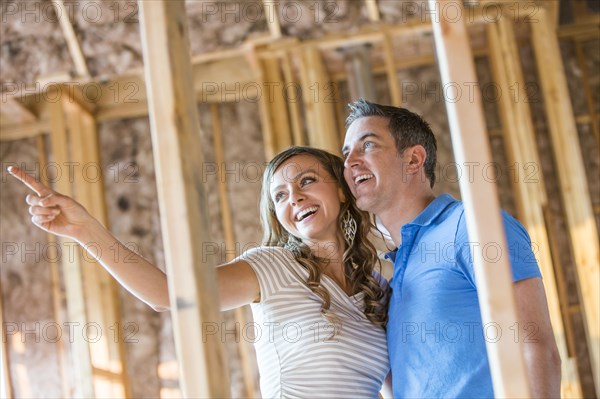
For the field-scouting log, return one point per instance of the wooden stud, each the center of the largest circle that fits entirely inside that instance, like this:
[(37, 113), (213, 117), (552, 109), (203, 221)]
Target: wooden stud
[(6, 383), (177, 154), (292, 87), (572, 180), (272, 17), (484, 223), (318, 102), (71, 39), (373, 10), (530, 198), (76, 308), (57, 296), (227, 223), (390, 68), (277, 110), (102, 303)]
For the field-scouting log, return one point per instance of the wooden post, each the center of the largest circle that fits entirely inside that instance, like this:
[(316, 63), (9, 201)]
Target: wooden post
[(57, 296), (318, 102), (272, 17), (178, 158), (102, 304), (292, 88), (227, 223), (5, 381), (572, 179), (530, 195), (76, 308), (275, 104), (390, 69), (71, 39), (482, 208)]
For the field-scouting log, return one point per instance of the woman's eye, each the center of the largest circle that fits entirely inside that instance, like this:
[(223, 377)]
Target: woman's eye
[(278, 196), (307, 180)]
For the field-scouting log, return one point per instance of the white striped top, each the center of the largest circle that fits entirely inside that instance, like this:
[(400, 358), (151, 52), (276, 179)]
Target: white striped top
[(296, 356)]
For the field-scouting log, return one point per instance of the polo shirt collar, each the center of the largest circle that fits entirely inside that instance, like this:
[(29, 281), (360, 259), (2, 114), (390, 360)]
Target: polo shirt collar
[(427, 216), (433, 210)]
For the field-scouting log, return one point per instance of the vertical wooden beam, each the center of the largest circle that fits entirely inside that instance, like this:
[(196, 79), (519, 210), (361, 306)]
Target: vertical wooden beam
[(318, 102), (102, 305), (76, 307), (178, 157), (373, 10), (272, 16), (390, 69), (530, 195), (5, 381), (227, 222), (71, 39), (572, 179), (57, 296), (292, 88), (484, 222), (275, 104)]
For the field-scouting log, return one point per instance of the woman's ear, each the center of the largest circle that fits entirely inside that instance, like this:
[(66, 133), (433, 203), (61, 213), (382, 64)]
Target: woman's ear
[(341, 195)]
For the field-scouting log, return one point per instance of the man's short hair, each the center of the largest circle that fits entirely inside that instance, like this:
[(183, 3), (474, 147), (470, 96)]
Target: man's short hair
[(407, 129)]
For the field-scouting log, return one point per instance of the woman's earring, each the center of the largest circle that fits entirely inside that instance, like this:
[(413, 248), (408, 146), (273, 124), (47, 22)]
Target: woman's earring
[(349, 227)]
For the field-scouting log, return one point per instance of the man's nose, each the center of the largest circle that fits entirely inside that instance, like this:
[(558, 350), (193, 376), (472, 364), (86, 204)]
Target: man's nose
[(351, 159)]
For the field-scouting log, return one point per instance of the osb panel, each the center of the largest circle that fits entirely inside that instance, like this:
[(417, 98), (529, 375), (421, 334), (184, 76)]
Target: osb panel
[(25, 284)]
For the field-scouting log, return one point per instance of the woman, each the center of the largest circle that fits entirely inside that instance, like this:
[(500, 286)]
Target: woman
[(318, 305)]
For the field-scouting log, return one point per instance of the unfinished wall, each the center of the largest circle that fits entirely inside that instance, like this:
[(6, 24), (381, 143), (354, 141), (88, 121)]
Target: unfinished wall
[(31, 49)]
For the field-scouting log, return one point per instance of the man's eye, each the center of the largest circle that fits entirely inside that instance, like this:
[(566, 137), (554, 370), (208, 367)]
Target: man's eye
[(368, 144), (345, 155)]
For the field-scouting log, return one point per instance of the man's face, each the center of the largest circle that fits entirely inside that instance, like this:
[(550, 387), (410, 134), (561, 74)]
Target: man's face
[(373, 169)]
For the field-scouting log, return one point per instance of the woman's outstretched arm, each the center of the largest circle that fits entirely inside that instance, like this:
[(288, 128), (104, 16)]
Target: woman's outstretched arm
[(61, 215)]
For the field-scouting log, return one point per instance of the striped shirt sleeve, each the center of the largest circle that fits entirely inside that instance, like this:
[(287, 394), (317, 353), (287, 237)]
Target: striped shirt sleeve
[(271, 267)]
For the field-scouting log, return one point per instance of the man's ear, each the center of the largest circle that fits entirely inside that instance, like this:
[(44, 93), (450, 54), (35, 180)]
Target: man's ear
[(416, 158)]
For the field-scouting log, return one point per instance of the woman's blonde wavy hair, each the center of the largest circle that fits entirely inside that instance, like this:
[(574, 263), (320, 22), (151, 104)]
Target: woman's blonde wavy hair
[(359, 260)]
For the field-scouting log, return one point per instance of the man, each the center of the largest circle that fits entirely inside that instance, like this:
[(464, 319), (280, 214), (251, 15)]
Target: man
[(436, 339)]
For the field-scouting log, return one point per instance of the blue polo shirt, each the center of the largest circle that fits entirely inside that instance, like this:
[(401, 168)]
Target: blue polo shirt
[(436, 339)]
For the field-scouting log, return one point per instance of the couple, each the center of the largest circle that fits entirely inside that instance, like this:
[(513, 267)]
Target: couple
[(317, 271)]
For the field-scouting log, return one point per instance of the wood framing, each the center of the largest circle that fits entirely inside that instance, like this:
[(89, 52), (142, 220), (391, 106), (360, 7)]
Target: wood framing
[(530, 196), (230, 242), (177, 156), (572, 180), (272, 16), (71, 39), (73, 275), (293, 99), (52, 259), (6, 389), (484, 223), (390, 69), (317, 94), (102, 305), (373, 10)]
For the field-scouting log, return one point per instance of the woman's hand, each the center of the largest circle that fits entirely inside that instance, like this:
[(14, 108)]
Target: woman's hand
[(53, 212)]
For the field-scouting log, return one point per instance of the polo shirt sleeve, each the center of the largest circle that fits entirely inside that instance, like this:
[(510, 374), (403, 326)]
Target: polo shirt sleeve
[(522, 259)]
